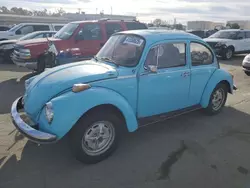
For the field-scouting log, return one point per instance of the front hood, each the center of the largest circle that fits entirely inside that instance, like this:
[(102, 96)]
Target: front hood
[(216, 40), (7, 42), (31, 42), (53, 81), (4, 34)]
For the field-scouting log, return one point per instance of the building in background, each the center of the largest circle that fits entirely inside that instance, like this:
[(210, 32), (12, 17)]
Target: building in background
[(9, 19), (244, 24), (203, 25)]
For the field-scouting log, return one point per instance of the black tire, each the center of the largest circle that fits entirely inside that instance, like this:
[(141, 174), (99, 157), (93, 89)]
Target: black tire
[(41, 64), (228, 54), (80, 129), (211, 110), (247, 73)]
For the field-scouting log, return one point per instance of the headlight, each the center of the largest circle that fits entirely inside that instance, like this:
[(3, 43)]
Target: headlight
[(247, 59), (23, 50), (49, 112)]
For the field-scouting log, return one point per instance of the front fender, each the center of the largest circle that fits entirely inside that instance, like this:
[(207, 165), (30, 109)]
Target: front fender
[(70, 106), (218, 76)]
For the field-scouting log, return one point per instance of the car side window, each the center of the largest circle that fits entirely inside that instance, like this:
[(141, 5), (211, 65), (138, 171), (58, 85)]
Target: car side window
[(171, 55), (248, 34), (39, 36), (25, 30), (41, 27), (112, 28), (200, 54), (167, 55), (58, 27), (241, 35), (135, 25), (90, 32)]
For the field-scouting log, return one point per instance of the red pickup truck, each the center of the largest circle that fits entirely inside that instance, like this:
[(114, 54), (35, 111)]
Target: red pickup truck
[(87, 36)]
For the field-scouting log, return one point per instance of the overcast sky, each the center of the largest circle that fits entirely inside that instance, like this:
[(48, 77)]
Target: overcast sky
[(147, 10)]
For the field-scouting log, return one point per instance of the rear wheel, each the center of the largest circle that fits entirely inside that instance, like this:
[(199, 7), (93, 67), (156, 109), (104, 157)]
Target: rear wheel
[(217, 99), (95, 137)]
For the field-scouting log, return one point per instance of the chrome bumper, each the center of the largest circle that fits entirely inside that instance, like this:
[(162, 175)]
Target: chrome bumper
[(28, 131)]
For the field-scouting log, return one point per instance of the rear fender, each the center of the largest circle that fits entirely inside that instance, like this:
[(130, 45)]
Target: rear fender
[(69, 107), (218, 76)]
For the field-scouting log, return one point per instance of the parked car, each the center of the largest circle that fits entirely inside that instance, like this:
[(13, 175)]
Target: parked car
[(246, 65), (7, 46), (202, 33), (4, 27), (137, 78), (25, 28), (88, 36), (228, 42)]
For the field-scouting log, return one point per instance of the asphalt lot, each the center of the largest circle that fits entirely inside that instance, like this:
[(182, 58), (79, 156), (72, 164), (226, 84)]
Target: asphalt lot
[(193, 150)]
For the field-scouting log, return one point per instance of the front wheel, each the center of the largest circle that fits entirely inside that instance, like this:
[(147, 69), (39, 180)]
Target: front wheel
[(247, 73), (217, 99), (95, 137)]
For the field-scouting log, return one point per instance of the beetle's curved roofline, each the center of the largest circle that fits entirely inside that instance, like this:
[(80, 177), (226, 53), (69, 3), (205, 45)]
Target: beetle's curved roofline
[(157, 35)]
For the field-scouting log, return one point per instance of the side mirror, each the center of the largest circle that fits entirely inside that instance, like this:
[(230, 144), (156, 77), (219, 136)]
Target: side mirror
[(239, 38), (18, 32), (152, 68)]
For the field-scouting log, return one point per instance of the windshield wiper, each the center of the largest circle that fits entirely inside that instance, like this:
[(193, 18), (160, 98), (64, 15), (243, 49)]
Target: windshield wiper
[(109, 60)]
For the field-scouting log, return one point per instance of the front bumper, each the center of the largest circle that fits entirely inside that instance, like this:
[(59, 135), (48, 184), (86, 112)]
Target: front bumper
[(27, 130), (29, 63)]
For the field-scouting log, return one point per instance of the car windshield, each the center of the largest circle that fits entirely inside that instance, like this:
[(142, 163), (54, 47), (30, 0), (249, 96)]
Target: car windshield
[(124, 50), (14, 28), (28, 36), (225, 34), (67, 31)]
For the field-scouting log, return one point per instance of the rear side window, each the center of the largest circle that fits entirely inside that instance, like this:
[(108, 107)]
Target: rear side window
[(90, 32), (25, 30), (58, 27), (200, 54), (112, 28), (41, 27), (135, 26)]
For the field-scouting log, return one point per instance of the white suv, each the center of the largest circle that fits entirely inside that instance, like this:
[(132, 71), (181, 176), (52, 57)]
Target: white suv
[(228, 42), (26, 28)]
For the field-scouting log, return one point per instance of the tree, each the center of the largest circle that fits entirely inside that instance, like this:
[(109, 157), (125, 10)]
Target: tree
[(179, 27), (4, 10), (233, 25), (157, 22)]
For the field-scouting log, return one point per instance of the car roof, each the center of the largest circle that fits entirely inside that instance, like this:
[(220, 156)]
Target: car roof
[(95, 21), (234, 30), (38, 32), (157, 35)]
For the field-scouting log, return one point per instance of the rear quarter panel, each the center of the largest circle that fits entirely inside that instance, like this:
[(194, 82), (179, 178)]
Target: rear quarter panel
[(218, 76)]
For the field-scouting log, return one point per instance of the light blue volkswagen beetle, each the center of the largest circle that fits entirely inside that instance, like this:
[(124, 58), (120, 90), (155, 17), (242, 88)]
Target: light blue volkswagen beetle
[(137, 78)]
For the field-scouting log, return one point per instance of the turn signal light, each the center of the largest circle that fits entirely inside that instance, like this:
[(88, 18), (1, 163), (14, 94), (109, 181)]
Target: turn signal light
[(80, 87)]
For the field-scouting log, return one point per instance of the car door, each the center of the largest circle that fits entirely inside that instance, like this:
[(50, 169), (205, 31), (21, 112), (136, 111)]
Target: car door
[(167, 89), (240, 42), (203, 64), (89, 39)]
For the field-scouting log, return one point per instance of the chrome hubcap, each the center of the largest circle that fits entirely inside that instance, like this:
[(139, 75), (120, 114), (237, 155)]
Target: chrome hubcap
[(98, 138), (218, 99), (229, 53)]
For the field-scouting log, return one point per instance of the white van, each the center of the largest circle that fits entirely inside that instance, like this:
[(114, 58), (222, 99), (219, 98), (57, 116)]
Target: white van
[(25, 28)]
